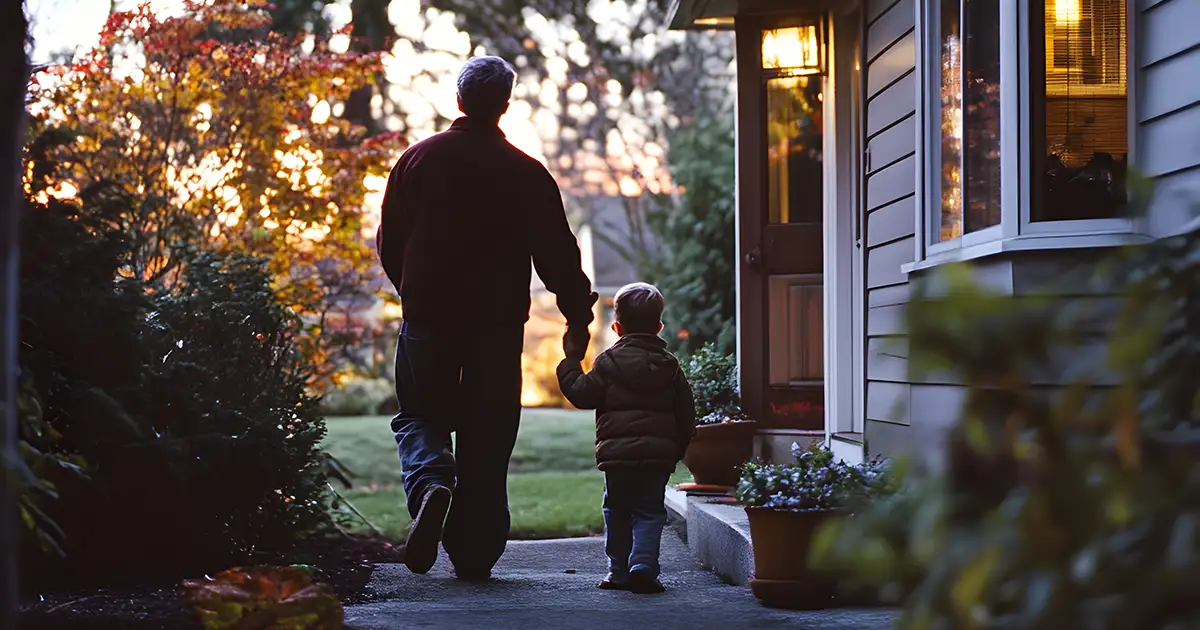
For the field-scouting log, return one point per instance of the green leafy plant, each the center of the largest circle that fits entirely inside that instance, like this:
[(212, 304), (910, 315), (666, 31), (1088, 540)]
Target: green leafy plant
[(265, 598), (694, 266), (1068, 507), (714, 379), (40, 466), (187, 409), (816, 481)]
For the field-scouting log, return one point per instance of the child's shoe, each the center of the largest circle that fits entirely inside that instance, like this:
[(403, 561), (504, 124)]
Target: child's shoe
[(614, 583), (645, 583)]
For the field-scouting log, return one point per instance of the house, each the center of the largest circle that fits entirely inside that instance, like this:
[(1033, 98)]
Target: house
[(879, 139)]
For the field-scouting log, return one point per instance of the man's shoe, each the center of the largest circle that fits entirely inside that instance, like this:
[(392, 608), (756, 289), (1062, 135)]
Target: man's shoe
[(472, 575), (614, 583), (421, 549), (645, 583)]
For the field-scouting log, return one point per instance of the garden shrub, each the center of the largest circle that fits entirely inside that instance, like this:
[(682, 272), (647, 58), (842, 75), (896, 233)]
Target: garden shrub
[(187, 406), (359, 397), (1059, 508), (40, 469), (177, 217)]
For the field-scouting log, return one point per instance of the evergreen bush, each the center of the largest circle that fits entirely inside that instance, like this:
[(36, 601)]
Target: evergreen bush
[(187, 406)]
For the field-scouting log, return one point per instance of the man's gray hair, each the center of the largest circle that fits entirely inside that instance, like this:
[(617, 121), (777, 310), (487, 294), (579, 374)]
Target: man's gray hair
[(484, 86)]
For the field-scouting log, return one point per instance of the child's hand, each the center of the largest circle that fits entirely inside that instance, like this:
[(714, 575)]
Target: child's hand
[(575, 344)]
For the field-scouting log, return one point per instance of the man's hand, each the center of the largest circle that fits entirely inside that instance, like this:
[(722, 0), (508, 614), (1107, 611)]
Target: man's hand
[(575, 342)]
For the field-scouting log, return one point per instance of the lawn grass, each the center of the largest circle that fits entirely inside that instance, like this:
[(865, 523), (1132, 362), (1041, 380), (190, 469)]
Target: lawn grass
[(542, 504), (554, 488)]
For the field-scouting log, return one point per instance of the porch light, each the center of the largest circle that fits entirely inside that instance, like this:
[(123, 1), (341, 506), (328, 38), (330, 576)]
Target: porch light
[(714, 22), (797, 49), (1066, 12)]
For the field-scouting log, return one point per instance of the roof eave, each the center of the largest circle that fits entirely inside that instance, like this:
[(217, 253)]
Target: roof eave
[(701, 15)]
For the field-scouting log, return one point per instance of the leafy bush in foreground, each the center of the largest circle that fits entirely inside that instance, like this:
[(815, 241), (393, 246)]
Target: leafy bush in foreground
[(1076, 507)]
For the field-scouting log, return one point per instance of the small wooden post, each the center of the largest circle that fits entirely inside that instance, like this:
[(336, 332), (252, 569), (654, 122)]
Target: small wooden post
[(14, 81)]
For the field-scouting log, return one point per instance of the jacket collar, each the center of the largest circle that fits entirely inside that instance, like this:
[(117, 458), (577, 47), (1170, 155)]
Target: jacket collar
[(641, 339), (466, 123)]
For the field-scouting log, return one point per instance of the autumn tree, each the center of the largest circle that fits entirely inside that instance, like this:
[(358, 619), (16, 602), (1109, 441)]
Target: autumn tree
[(220, 135)]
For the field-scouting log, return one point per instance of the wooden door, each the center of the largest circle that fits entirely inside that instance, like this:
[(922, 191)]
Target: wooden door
[(781, 205)]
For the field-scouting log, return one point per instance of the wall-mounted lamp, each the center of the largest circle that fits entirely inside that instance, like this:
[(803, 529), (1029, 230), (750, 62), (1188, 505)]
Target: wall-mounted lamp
[(797, 50), (1066, 12)]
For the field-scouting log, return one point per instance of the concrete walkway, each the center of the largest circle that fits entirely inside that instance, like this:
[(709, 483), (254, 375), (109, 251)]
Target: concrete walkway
[(552, 584)]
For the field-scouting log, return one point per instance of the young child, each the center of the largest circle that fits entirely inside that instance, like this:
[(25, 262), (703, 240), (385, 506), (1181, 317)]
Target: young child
[(644, 421)]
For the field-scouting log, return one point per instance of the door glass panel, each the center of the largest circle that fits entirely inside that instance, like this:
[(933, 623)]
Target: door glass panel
[(795, 173), (797, 329)]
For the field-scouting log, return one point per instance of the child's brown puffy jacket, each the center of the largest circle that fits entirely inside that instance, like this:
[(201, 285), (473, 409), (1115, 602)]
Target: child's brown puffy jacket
[(643, 402)]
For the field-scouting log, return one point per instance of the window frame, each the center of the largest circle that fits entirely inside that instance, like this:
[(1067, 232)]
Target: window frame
[(1016, 231)]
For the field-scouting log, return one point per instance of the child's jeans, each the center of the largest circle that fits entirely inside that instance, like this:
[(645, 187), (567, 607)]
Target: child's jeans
[(634, 516)]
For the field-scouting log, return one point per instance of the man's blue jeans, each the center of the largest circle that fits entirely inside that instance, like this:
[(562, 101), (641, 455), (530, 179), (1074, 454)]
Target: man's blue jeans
[(634, 516), (469, 383)]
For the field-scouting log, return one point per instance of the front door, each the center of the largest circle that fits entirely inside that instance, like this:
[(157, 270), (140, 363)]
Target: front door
[(782, 191)]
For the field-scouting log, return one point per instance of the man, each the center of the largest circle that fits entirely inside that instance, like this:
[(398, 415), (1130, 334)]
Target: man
[(464, 213)]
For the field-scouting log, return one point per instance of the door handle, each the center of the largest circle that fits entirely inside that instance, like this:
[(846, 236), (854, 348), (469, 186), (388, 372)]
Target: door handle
[(754, 257)]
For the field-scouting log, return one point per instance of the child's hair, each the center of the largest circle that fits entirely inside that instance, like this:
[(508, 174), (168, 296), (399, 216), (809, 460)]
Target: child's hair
[(639, 308)]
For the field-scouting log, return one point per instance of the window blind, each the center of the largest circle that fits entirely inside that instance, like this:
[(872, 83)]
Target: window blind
[(1086, 85)]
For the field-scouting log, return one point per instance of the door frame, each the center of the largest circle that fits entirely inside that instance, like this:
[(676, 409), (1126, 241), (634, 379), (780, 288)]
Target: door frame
[(845, 311)]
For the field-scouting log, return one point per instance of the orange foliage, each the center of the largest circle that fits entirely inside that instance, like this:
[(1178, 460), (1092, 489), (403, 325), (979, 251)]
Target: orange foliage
[(215, 133)]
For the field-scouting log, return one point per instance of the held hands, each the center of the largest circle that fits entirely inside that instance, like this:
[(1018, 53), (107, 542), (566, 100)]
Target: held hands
[(575, 342)]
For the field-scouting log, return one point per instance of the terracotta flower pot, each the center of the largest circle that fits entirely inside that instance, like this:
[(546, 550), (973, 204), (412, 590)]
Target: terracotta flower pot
[(717, 452), (781, 540)]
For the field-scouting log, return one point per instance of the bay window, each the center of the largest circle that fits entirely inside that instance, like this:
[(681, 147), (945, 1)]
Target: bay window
[(1025, 137)]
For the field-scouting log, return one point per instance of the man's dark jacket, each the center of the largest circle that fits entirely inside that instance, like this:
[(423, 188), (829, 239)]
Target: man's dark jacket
[(464, 212), (645, 417)]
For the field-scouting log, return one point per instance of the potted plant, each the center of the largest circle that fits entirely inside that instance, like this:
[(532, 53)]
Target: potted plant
[(724, 438), (786, 504)]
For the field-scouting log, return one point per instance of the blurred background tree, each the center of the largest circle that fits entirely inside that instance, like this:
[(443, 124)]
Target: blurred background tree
[(602, 90), (694, 262)]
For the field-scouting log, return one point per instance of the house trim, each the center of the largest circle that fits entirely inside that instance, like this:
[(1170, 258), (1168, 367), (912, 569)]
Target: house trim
[(843, 171), (1027, 243)]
